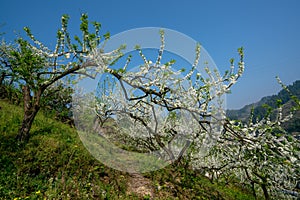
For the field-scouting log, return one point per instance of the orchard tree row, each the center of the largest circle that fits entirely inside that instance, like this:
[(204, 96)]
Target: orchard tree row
[(258, 154)]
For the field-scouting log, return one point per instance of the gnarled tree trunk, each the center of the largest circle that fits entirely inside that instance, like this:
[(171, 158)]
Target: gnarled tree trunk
[(31, 108)]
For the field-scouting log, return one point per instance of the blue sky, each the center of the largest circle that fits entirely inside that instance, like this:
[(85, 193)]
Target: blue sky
[(268, 30)]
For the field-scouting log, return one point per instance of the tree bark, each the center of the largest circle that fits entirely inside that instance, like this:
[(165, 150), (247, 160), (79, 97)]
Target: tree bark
[(2, 89), (2, 78), (265, 190), (31, 108)]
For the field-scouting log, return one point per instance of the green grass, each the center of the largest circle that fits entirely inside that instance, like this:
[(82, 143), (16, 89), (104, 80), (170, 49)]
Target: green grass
[(54, 164)]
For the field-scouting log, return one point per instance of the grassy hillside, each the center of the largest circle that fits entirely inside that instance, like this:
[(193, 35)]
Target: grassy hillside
[(55, 165)]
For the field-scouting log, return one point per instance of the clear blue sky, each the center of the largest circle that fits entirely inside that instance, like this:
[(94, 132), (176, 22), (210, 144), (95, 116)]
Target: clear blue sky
[(269, 31)]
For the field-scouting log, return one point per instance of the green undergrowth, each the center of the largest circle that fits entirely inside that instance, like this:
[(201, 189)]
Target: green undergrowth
[(54, 164), (183, 183)]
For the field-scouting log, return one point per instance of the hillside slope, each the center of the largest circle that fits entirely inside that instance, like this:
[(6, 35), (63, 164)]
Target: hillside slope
[(261, 108), (55, 165)]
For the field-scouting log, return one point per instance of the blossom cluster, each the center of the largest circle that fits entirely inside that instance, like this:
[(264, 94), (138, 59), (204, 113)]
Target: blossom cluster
[(161, 103)]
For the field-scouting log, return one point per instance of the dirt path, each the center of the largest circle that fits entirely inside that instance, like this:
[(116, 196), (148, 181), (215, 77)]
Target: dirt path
[(140, 185)]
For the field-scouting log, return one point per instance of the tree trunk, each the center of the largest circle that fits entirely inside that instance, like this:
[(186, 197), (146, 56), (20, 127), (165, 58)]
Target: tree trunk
[(31, 108), (253, 189), (2, 78), (2, 87), (265, 190), (28, 119)]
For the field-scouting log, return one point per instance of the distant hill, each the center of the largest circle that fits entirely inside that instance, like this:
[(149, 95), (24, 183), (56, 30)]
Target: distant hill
[(271, 102)]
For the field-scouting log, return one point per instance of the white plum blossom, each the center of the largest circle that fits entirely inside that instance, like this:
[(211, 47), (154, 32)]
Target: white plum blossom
[(156, 95)]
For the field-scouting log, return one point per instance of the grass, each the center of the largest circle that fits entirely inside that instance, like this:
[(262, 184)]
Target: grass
[(54, 164)]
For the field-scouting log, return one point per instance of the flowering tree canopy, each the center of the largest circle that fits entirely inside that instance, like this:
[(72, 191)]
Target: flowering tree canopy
[(261, 154), (164, 109), (36, 68)]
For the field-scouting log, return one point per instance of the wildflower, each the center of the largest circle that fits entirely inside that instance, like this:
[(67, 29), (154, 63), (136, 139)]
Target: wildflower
[(38, 192)]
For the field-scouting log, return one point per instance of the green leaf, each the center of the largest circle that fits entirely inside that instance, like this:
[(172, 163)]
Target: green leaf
[(64, 19), (27, 30), (96, 25), (172, 61), (78, 40), (106, 36), (84, 23), (241, 53), (137, 47)]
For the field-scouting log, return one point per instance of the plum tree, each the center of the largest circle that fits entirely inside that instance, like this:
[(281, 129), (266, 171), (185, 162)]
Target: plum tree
[(35, 68)]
